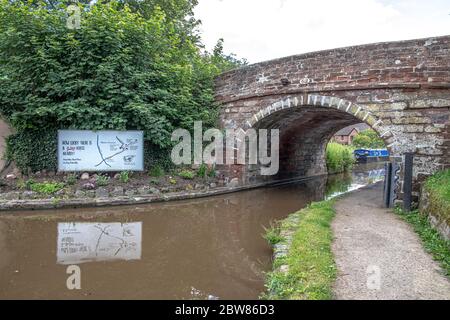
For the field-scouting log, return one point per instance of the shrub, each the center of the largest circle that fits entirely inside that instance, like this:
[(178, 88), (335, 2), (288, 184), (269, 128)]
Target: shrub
[(33, 149), (187, 174), (137, 67)]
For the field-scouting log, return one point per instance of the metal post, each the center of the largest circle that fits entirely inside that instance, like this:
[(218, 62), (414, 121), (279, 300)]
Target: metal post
[(387, 184), (407, 181)]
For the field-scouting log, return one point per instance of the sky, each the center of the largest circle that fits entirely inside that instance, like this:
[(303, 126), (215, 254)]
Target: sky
[(260, 30)]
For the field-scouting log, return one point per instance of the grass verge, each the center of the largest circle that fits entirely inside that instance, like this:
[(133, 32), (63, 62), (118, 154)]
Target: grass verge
[(311, 267), (438, 187), (432, 241)]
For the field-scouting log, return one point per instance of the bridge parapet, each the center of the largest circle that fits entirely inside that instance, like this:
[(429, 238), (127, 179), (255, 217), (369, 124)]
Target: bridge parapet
[(400, 89)]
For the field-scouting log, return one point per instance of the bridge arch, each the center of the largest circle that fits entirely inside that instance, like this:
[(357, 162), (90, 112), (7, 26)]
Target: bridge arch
[(400, 89), (307, 123)]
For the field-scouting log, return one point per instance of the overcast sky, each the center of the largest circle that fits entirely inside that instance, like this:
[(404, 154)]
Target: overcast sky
[(266, 29)]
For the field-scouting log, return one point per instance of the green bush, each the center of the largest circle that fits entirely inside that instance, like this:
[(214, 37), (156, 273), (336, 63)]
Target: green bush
[(137, 66), (339, 158), (33, 150), (187, 174)]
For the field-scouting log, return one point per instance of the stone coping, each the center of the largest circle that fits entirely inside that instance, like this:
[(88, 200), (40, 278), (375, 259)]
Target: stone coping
[(61, 203)]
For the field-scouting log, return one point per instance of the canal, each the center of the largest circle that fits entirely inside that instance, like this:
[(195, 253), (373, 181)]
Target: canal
[(194, 249)]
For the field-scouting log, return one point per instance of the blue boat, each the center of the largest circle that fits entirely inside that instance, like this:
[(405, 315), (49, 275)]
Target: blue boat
[(371, 155)]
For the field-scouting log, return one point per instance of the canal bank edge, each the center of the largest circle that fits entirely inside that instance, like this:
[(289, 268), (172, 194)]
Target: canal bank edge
[(303, 263), (86, 202), (302, 250)]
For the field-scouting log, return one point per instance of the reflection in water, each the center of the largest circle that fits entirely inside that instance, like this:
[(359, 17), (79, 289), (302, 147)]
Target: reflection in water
[(195, 249), (88, 242), (361, 176)]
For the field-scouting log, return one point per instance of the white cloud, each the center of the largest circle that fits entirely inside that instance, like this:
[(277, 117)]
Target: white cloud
[(266, 29)]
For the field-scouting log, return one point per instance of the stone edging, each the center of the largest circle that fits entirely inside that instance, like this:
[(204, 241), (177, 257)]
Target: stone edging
[(57, 203)]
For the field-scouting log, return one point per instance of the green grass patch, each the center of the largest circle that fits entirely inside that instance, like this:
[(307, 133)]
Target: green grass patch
[(272, 234), (312, 269), (438, 186), (432, 241)]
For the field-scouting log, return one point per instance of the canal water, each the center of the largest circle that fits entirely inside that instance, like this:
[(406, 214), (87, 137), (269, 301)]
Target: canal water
[(194, 249)]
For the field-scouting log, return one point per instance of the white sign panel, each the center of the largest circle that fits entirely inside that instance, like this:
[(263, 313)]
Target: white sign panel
[(89, 242), (84, 150)]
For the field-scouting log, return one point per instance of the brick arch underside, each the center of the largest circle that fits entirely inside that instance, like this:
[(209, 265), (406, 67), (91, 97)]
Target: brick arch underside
[(304, 135)]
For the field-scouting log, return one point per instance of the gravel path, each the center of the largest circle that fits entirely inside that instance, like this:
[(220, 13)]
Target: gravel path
[(378, 255)]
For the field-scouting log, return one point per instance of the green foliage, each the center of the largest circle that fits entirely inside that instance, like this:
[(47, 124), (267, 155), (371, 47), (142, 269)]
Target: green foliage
[(433, 242), (212, 172), (124, 176), (368, 139), (156, 171), (272, 234), (172, 181), (438, 187), (131, 65), (102, 181), (71, 179), (339, 158), (187, 174), (312, 269), (155, 181), (47, 188), (25, 184), (33, 149), (202, 171)]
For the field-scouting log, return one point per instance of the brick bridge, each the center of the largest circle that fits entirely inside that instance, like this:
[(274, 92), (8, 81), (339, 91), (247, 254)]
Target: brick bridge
[(400, 89)]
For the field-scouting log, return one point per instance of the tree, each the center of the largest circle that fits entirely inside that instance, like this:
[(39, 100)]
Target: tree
[(120, 70), (368, 139)]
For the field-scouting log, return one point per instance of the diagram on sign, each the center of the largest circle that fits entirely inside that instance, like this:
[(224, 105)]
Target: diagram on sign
[(120, 146), (88, 242)]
